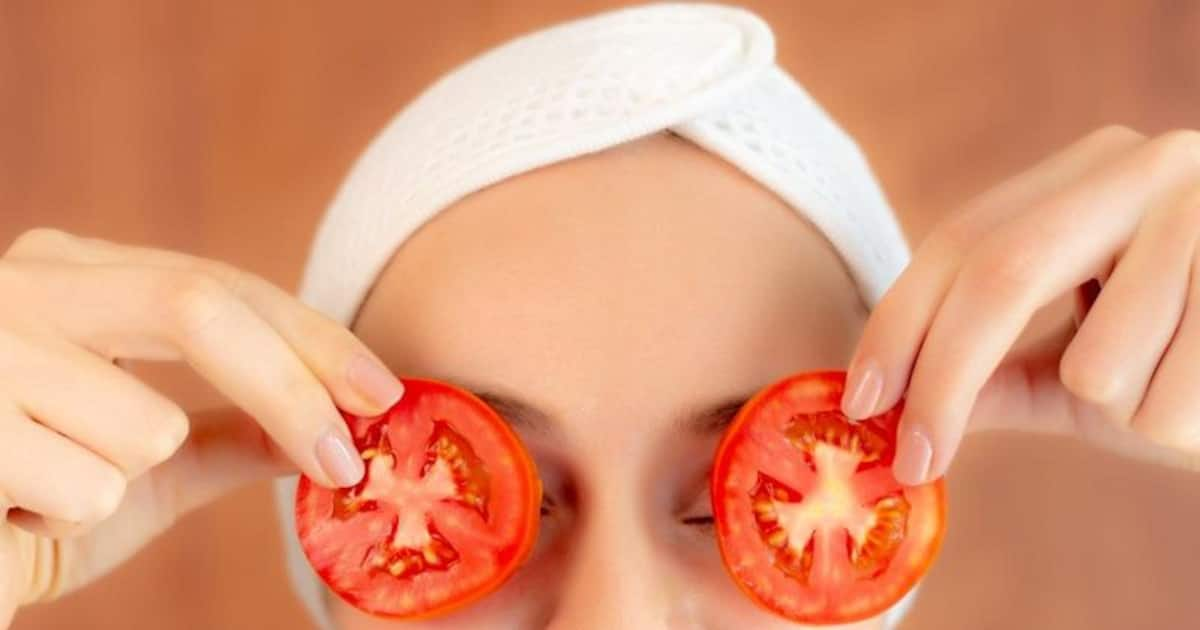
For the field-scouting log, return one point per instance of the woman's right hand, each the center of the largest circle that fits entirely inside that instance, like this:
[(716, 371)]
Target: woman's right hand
[(93, 462)]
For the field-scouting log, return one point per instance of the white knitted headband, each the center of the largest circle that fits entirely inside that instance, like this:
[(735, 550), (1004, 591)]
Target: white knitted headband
[(704, 72)]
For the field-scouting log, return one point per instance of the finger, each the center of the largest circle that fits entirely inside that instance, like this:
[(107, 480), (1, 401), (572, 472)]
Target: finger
[(1113, 356), (45, 473), (1085, 298), (222, 338), (90, 401), (45, 526), (1026, 263), (225, 451), (880, 370), (357, 380), (1170, 413), (1024, 394)]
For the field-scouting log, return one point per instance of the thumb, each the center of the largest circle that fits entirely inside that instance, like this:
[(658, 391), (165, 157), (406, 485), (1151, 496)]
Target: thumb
[(1025, 393)]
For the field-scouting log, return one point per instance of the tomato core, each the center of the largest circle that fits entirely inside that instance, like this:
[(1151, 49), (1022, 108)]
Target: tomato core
[(446, 511), (811, 523)]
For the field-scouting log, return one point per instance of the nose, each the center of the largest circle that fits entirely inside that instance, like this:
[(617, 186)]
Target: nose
[(617, 577)]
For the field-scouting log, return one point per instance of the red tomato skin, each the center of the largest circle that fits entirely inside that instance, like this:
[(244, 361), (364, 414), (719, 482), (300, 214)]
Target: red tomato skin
[(835, 379), (521, 548)]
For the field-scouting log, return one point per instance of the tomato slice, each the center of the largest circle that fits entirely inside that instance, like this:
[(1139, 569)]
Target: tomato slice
[(447, 511), (810, 521)]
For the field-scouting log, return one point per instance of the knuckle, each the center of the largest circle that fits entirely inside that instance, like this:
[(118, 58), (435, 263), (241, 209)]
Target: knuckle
[(304, 401), (1182, 224), (234, 279), (16, 350), (12, 282), (40, 240), (109, 492), (344, 342), (232, 276), (324, 344), (1086, 378), (105, 491), (1001, 273), (169, 432), (194, 300), (1115, 135), (303, 390), (1178, 147), (951, 240), (1170, 430)]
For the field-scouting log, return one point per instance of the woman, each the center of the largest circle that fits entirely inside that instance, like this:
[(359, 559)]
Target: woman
[(695, 229)]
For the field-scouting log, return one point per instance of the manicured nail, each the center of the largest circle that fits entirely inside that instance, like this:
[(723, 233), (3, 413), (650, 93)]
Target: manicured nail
[(338, 458), (374, 381), (864, 391), (913, 456)]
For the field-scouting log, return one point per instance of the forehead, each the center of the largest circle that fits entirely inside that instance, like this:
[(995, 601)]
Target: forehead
[(649, 272)]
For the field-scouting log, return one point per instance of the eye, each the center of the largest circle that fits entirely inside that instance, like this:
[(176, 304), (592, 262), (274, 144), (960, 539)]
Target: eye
[(699, 513), (550, 528), (557, 487), (557, 509)]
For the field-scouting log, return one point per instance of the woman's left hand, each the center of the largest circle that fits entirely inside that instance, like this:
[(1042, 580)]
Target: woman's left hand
[(1114, 219)]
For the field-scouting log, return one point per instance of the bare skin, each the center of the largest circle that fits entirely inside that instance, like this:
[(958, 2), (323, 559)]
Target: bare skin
[(621, 294)]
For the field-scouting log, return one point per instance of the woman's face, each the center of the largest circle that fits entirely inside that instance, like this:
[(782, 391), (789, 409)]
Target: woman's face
[(617, 309)]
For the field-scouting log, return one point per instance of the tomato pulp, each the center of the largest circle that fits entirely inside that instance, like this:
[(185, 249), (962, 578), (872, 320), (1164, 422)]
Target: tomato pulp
[(811, 523), (447, 511)]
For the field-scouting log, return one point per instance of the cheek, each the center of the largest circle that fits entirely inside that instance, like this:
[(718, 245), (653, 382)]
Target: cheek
[(521, 603), (706, 598)]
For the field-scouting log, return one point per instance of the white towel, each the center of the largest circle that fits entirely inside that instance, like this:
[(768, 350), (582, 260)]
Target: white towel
[(704, 72)]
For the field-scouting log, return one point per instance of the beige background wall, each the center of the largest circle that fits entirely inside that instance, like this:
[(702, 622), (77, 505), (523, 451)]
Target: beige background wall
[(222, 128)]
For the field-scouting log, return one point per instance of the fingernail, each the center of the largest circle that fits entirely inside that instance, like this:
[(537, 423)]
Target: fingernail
[(864, 391), (913, 456), (374, 381), (338, 458)]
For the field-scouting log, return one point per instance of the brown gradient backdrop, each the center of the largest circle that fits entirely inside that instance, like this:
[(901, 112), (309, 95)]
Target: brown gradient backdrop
[(223, 129)]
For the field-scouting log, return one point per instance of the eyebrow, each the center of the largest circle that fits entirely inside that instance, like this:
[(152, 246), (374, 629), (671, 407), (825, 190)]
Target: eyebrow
[(519, 414), (715, 419), (522, 415)]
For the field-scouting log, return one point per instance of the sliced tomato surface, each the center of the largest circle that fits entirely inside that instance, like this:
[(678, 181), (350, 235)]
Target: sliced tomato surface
[(811, 523), (447, 511)]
